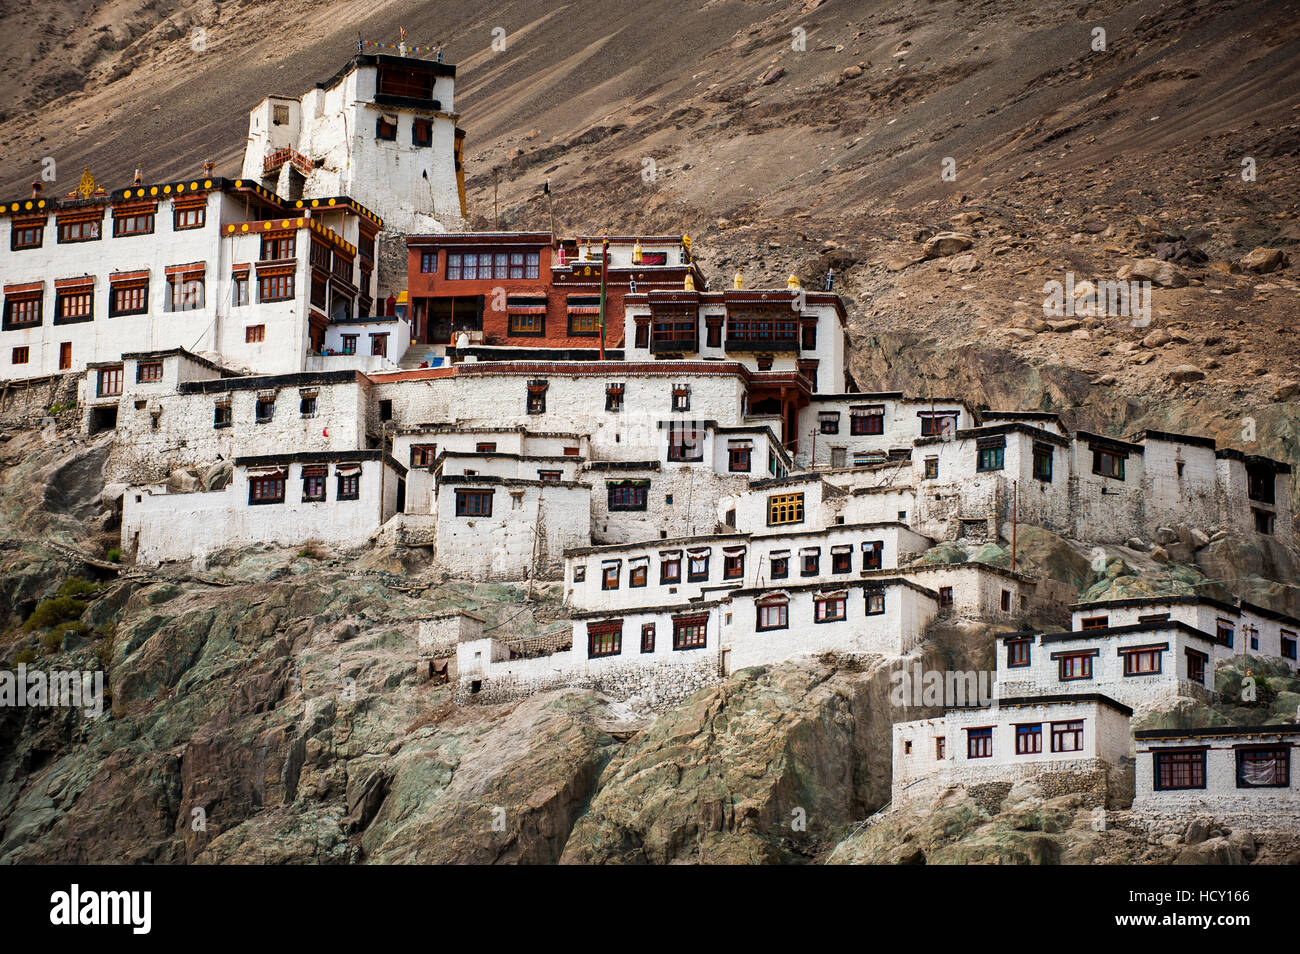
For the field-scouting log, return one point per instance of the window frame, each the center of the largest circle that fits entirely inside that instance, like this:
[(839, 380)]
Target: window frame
[(1193, 757), (478, 510)]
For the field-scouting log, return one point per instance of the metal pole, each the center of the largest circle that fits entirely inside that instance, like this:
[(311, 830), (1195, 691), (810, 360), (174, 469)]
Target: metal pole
[(1015, 508)]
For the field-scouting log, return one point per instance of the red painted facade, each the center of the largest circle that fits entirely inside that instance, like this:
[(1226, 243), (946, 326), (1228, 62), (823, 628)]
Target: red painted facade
[(509, 288)]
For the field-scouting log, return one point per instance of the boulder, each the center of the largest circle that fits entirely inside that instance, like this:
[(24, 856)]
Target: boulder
[(1164, 274), (1157, 339), (1185, 373), (1198, 538), (1197, 831), (1135, 543), (944, 244), (1065, 324), (1160, 554), (1214, 851), (771, 76), (1287, 391), (182, 482), (963, 263), (1263, 260), (1180, 253), (218, 476)]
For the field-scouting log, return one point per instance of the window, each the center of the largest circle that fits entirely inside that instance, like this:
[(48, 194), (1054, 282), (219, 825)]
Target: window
[(1178, 768), (349, 344), (1108, 463), (584, 315), (738, 457), (148, 371), (1263, 521), (530, 324), (873, 555), (239, 290), (1018, 652), (870, 420), (1067, 736), (681, 397), (1142, 662), (65, 355), (1196, 666), (279, 115), (945, 596), (138, 224), (932, 468), (264, 410), (780, 567), (132, 299), (1043, 462), (485, 447), (473, 503), (266, 489), (22, 311), (875, 602), (628, 494), (733, 566), (1224, 632), (73, 306), (940, 748), (1029, 739), (1094, 622), (429, 262), (828, 422), (110, 381), (690, 632), (379, 345), (829, 609), (279, 247), (422, 455), (697, 566), (579, 574), (685, 444), (524, 264), (1006, 601), (194, 218), (21, 355), (185, 292), (1075, 665), (307, 405), (221, 416), (536, 401), (1288, 645), (422, 132), (938, 423), (773, 614), (572, 451), (979, 743), (26, 236), (549, 476), (638, 574), (254, 334), (784, 508), (810, 562), (84, 231), (604, 639), (809, 342), (990, 457), (313, 484), (614, 397), (670, 567), (386, 128), (609, 574), (275, 287), (1264, 767), (485, 266), (841, 559), (647, 637)]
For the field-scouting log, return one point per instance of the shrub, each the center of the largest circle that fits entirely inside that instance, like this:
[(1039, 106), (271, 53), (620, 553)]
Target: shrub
[(114, 555), (52, 612), (25, 656), (53, 640), (75, 586)]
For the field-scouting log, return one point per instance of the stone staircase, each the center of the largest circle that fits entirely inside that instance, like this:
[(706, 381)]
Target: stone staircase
[(417, 353)]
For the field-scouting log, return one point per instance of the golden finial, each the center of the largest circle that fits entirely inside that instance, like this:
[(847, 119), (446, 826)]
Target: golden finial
[(636, 253), (739, 281), (792, 281), (689, 284), (86, 187)]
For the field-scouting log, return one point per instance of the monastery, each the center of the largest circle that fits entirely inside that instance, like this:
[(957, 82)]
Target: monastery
[(304, 352)]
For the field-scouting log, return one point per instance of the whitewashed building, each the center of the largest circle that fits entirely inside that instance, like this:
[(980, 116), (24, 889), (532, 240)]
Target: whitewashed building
[(1241, 775), (1076, 743)]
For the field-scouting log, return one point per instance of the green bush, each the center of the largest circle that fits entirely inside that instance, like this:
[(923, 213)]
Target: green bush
[(52, 612), (53, 640), (76, 586), (115, 555), (25, 656)]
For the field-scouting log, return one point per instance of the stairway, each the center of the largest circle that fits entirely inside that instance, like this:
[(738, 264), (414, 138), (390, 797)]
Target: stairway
[(418, 353)]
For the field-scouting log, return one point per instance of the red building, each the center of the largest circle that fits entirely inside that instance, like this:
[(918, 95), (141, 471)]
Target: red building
[(515, 292)]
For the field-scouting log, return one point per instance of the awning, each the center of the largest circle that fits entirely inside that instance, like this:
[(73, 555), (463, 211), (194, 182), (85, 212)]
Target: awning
[(844, 548), (347, 470), (810, 551)]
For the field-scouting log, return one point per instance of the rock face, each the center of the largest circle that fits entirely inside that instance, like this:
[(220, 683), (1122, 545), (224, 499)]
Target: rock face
[(760, 769)]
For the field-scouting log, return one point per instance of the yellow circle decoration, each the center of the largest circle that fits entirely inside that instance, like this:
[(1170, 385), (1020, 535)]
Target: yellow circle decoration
[(153, 190)]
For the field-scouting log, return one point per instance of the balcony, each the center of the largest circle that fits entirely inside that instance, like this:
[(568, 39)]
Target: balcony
[(752, 343), (674, 345), (278, 158)]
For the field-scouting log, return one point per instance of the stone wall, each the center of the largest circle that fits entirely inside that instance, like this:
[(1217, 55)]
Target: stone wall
[(653, 686)]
